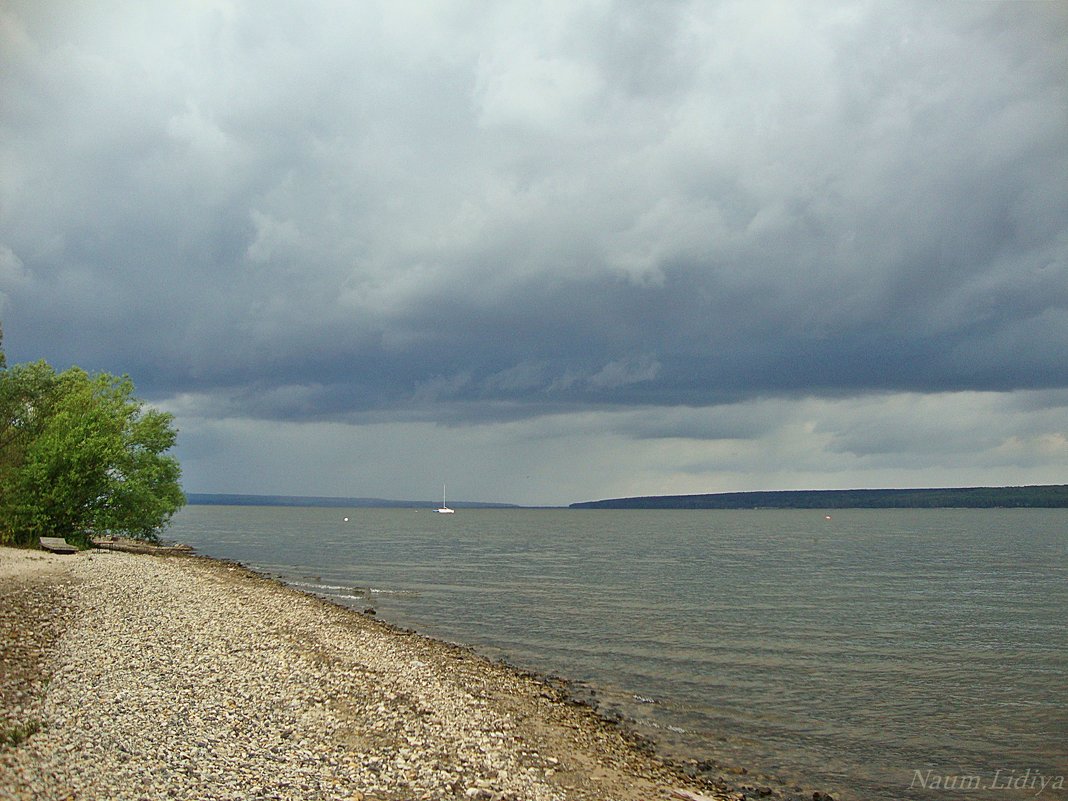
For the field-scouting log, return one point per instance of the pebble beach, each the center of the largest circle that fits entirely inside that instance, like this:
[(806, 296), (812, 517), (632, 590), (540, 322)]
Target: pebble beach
[(131, 676)]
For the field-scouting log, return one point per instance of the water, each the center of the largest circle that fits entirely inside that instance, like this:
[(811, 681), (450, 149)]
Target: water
[(877, 654)]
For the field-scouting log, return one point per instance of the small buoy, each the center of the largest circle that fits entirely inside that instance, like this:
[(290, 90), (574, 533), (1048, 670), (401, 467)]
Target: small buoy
[(825, 517), (346, 520)]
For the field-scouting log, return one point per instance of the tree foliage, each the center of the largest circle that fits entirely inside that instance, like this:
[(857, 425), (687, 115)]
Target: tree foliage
[(79, 455)]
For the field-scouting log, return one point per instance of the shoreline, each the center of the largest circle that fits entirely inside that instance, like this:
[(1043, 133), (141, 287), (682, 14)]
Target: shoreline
[(718, 780), (193, 677)]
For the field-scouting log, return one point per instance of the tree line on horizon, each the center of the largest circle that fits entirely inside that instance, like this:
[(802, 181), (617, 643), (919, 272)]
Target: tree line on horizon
[(1046, 497), (81, 456)]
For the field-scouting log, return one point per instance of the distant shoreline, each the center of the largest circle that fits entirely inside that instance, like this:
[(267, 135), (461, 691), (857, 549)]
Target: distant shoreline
[(226, 499), (1049, 496), (1044, 496)]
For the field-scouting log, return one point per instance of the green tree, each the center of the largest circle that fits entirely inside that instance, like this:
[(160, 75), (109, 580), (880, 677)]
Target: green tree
[(28, 393), (80, 455)]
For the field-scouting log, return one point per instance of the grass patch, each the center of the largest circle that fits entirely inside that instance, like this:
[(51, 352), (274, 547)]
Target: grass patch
[(15, 734)]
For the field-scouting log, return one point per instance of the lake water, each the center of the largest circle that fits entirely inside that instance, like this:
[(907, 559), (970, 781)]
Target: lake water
[(877, 654)]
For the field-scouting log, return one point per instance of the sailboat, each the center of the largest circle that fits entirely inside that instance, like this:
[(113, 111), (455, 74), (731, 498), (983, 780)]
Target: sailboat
[(444, 509)]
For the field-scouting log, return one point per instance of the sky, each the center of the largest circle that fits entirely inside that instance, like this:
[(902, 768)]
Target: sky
[(550, 251)]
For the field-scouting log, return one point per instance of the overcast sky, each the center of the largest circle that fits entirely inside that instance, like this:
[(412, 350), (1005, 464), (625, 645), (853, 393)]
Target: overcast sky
[(551, 251)]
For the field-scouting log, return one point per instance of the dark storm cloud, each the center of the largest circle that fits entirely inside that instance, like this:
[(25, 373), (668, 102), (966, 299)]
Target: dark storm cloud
[(315, 212)]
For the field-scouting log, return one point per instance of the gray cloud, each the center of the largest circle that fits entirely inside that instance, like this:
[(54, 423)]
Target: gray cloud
[(471, 215)]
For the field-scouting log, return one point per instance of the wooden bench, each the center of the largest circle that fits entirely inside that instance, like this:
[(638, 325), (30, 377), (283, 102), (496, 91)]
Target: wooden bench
[(57, 545)]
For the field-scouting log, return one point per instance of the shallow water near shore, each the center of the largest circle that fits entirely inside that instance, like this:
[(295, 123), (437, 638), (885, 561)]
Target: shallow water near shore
[(878, 654)]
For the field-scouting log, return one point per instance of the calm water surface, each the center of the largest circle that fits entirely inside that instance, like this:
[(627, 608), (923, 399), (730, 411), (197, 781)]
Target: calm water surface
[(868, 654)]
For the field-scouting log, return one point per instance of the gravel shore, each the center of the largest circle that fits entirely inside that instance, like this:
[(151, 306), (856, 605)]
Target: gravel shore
[(145, 677)]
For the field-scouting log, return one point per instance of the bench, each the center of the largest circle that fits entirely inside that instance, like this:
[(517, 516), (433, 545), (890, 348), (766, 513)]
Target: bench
[(57, 545)]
